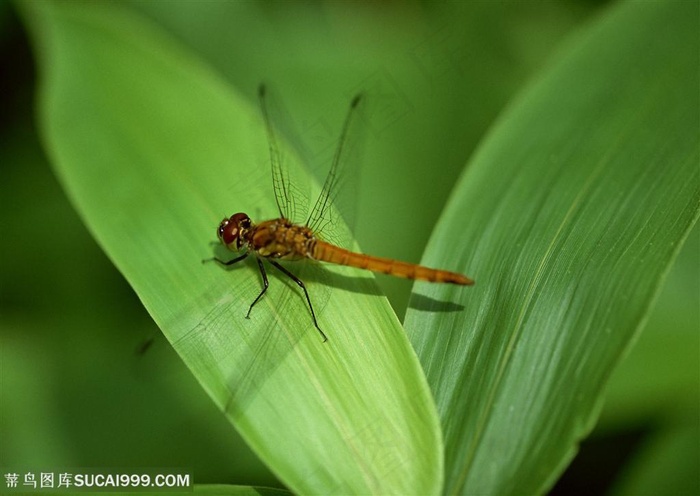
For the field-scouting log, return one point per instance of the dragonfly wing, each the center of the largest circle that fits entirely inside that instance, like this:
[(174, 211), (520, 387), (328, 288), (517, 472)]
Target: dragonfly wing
[(332, 215), (287, 180)]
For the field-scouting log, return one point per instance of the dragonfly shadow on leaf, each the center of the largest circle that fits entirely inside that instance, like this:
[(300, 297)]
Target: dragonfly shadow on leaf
[(240, 354), (320, 274), (427, 304)]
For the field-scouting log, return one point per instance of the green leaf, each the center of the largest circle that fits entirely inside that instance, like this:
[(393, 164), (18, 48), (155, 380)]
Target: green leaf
[(568, 216), (153, 148)]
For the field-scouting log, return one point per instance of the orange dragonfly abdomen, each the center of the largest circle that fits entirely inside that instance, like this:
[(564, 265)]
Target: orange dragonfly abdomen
[(327, 252)]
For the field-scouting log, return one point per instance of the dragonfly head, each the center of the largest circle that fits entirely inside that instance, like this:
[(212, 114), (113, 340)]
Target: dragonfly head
[(232, 231)]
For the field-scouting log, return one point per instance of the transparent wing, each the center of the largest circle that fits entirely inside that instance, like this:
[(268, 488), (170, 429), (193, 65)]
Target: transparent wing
[(291, 167), (292, 202), (335, 206)]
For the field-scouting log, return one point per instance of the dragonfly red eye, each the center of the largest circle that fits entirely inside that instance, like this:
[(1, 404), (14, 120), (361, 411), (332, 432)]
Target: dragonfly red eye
[(240, 220), (230, 230), (227, 232)]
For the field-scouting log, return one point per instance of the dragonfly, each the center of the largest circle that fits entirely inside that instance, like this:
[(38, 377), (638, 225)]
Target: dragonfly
[(282, 239)]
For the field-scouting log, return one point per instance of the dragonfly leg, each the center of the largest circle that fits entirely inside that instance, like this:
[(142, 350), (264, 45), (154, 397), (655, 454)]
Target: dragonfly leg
[(230, 262), (265, 285), (306, 293)]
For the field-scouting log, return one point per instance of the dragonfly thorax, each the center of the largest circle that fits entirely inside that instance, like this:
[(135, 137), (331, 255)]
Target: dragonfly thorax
[(233, 231)]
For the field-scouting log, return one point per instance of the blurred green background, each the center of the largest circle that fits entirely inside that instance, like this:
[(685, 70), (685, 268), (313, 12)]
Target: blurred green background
[(74, 390)]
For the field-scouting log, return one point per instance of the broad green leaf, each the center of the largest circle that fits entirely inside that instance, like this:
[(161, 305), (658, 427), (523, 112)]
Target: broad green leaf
[(638, 392), (568, 216), (153, 149)]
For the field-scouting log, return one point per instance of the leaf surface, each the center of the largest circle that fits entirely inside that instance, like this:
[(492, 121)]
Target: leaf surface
[(153, 149), (569, 215)]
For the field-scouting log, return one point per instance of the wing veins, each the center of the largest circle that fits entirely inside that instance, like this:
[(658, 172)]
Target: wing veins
[(316, 220), (280, 180)]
